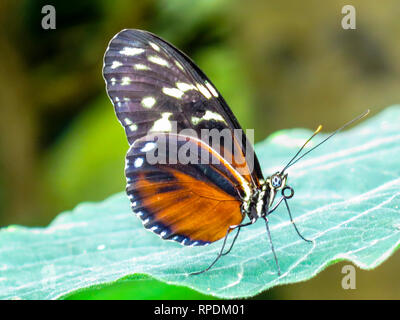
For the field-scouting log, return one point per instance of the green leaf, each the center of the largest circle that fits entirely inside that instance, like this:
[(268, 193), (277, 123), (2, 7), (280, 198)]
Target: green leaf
[(347, 200), (137, 287)]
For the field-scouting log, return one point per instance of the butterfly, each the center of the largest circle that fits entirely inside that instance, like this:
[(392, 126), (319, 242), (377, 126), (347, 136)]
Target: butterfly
[(165, 102)]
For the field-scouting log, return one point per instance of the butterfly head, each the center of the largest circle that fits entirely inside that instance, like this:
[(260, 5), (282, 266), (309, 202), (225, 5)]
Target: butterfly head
[(275, 183), (278, 181)]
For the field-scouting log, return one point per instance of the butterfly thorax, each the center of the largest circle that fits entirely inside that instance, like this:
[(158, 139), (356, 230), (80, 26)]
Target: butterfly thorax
[(257, 204)]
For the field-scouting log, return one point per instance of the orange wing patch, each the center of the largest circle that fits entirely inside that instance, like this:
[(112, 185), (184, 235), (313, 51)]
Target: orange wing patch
[(187, 210)]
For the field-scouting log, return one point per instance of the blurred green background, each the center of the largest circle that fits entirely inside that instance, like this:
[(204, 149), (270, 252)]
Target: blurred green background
[(278, 64)]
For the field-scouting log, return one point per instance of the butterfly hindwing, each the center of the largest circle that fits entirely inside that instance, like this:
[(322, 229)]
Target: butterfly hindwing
[(192, 203), (154, 87)]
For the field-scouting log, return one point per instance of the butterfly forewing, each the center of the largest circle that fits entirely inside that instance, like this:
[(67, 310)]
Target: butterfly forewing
[(155, 87)]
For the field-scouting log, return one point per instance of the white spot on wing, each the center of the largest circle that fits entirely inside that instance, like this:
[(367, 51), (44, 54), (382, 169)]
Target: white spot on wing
[(204, 91), (173, 92), (158, 60), (133, 127), (185, 86), (128, 51), (154, 46), (138, 162), (212, 89), (209, 115), (148, 147), (179, 65), (113, 81), (116, 64), (196, 120), (148, 102), (128, 121), (163, 124), (125, 81), (140, 66)]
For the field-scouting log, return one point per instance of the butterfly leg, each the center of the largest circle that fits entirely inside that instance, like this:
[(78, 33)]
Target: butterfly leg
[(223, 246), (236, 236), (294, 225), (272, 245), (233, 242)]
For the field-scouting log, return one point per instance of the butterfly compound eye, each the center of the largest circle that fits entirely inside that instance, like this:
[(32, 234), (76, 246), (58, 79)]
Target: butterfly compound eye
[(276, 181)]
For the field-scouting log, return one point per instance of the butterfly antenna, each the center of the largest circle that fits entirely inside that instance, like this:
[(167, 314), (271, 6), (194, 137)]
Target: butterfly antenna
[(298, 152), (364, 114)]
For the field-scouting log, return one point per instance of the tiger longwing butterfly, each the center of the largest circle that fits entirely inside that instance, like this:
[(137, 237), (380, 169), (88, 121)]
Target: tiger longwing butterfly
[(158, 94)]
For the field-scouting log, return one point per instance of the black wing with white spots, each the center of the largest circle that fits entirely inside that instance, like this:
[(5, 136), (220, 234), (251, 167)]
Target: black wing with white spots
[(155, 87)]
